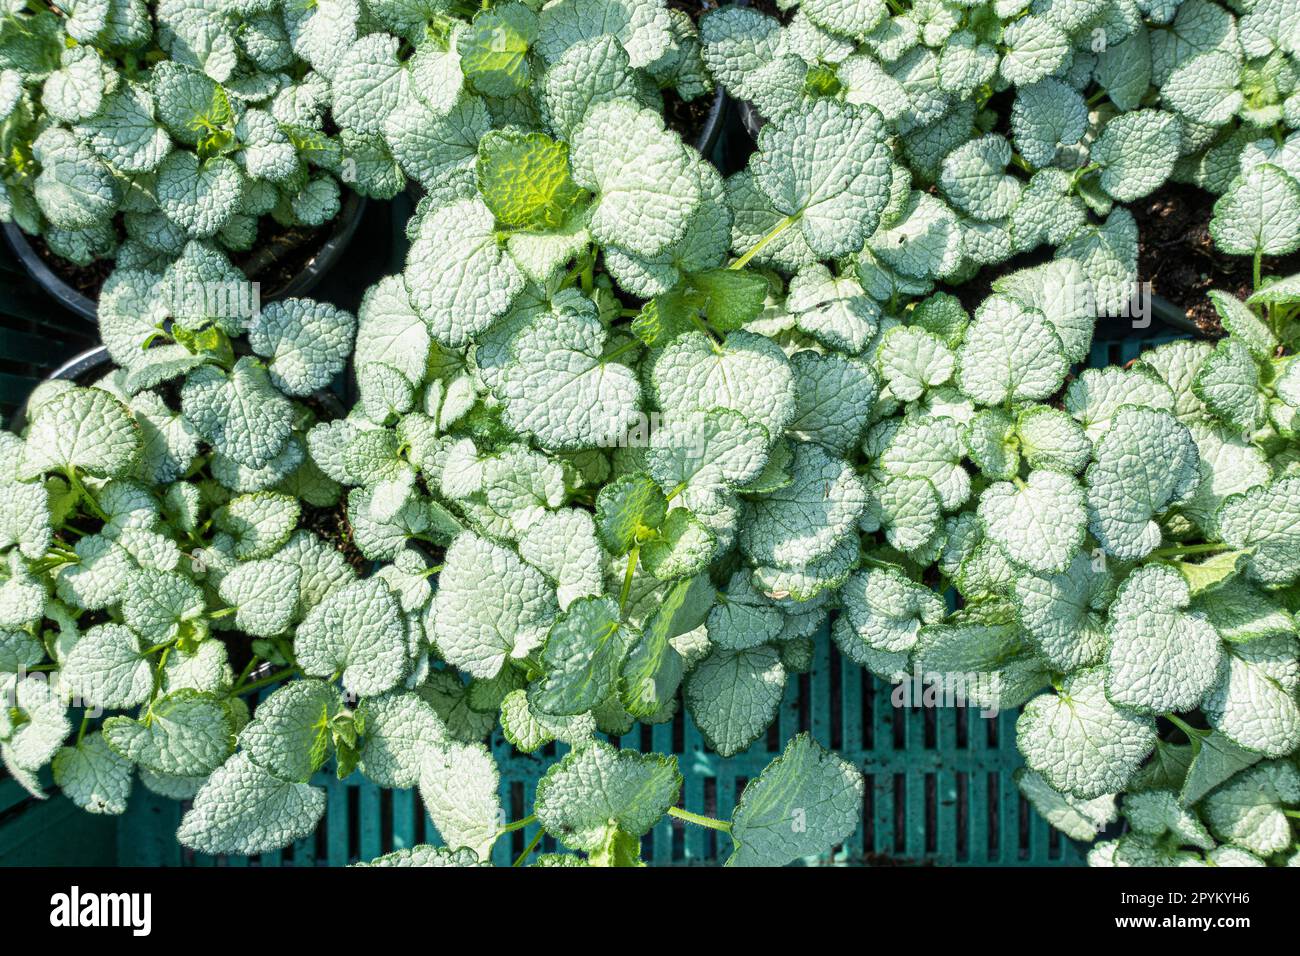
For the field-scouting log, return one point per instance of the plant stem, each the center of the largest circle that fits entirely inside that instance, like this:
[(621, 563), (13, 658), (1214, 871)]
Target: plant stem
[(252, 662), (1179, 550), (699, 820), (1192, 733), (517, 825), (532, 845), (83, 493), (632, 559), (224, 612), (703, 327), (624, 348), (758, 247), (1257, 270), (264, 682), (85, 722)]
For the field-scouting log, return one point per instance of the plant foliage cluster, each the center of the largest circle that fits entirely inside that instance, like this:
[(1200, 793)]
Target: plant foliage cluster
[(630, 434)]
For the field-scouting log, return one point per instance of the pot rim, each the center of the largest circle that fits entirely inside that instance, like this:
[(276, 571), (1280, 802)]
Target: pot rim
[(345, 226)]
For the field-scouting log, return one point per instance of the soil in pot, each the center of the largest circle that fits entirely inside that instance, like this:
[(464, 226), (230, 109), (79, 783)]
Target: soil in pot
[(87, 280), (688, 119), (1178, 257), (278, 255)]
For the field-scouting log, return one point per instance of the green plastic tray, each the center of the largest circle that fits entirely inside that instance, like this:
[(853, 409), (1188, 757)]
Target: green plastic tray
[(940, 788)]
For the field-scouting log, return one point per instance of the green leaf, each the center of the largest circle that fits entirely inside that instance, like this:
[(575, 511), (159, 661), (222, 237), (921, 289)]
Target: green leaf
[(733, 696), (92, 776), (1248, 810), (264, 595), (1127, 490), (1259, 214), (82, 428), (259, 523), (244, 810), (400, 729), (241, 414), (559, 388), (1239, 321), (627, 508), (1254, 701), (705, 455), (459, 787), (1228, 383), (599, 790), (583, 655), (1079, 741), (912, 360), (1265, 520), (803, 803), (107, 668), (1077, 819), (1205, 88), (1039, 525), (1009, 353), (828, 168), (807, 519), (643, 177), (489, 606), (1163, 657), (1064, 613), (524, 179), (305, 343), (1136, 152), (289, 735), (185, 734), (357, 632)]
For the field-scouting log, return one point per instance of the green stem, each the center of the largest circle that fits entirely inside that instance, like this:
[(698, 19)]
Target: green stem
[(517, 825), (758, 247), (1097, 97), (83, 493), (224, 612), (621, 350), (85, 722), (243, 675), (713, 339), (264, 682), (1292, 813), (532, 845), (699, 820), (1179, 550), (1257, 270), (632, 559), (1192, 733), (675, 492)]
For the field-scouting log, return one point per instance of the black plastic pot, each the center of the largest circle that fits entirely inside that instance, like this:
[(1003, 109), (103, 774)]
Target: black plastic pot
[(75, 369), (84, 307), (95, 362), (1174, 317)]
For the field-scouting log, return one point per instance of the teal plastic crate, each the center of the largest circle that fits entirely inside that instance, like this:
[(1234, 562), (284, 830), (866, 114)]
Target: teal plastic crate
[(940, 787), (36, 334), (939, 791)]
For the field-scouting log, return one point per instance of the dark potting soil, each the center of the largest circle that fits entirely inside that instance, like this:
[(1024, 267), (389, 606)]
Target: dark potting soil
[(280, 253), (87, 280), (687, 119), (1178, 257), (332, 526)]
